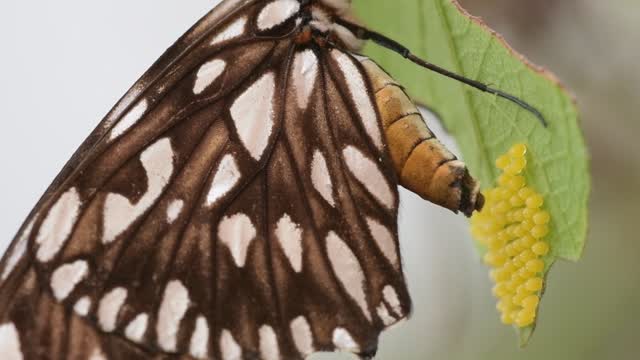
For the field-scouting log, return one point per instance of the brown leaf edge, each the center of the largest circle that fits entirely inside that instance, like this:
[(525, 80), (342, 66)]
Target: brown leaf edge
[(536, 68)]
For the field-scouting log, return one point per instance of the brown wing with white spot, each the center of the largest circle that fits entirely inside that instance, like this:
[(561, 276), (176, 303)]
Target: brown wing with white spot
[(333, 241)]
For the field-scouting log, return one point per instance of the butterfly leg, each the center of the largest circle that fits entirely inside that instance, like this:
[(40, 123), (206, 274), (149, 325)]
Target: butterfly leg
[(366, 34)]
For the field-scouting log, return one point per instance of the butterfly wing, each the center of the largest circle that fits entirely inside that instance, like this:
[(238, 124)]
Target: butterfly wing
[(239, 201)]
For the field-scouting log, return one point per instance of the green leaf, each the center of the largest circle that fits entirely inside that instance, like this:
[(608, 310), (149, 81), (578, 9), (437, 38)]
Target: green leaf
[(485, 126)]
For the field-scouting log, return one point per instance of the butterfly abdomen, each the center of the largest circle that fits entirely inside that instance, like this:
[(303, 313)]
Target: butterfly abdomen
[(422, 163)]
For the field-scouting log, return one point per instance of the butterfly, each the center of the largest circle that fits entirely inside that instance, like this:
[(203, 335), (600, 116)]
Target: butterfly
[(239, 202)]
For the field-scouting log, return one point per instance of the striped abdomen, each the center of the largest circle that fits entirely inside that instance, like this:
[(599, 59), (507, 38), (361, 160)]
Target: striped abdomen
[(423, 164)]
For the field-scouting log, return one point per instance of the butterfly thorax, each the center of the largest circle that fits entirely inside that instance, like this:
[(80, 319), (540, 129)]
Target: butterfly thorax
[(318, 23)]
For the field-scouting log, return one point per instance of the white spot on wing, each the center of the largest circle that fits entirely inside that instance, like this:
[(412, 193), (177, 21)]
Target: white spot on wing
[(320, 177), (391, 297), (253, 115), (174, 210), (343, 341), (368, 173), (269, 349), (237, 232), (129, 119), (385, 240), (200, 339), (384, 315), (19, 250), (348, 270), (232, 31), (290, 236), (207, 74), (175, 303), (304, 75), (360, 96), (226, 177), (137, 328), (109, 308), (302, 335), (97, 355), (66, 277), (58, 224), (119, 212), (82, 306), (276, 13), (10, 342), (229, 347)]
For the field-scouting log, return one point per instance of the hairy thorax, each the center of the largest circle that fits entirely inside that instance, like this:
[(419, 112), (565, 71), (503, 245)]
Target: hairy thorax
[(318, 23)]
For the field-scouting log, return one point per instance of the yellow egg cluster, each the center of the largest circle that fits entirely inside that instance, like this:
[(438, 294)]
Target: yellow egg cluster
[(512, 225)]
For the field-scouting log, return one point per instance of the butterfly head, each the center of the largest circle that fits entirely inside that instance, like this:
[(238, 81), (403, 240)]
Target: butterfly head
[(318, 24)]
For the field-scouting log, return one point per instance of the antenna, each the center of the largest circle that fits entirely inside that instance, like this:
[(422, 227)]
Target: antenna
[(366, 34)]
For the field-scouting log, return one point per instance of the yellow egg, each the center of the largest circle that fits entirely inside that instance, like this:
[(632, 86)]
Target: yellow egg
[(534, 284), (509, 267), (526, 272), (516, 182), (534, 201), (502, 275), (490, 226), (527, 225), (493, 275), (541, 217), (504, 179), (496, 242), (500, 306), (511, 250), (518, 163), (517, 281), (523, 290), (526, 255), (525, 318), (519, 297), (528, 213), (518, 150), (525, 193), (500, 290), (516, 201), (506, 319), (494, 258), (501, 208), (504, 236), (502, 162), (528, 241), (520, 231), (513, 168), (509, 215), (514, 313), (531, 302), (503, 194), (517, 244), (539, 231), (540, 248), (535, 265), (518, 215), (517, 262)]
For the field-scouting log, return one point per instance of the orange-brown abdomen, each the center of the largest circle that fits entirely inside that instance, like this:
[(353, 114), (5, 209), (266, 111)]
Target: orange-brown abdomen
[(422, 163)]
